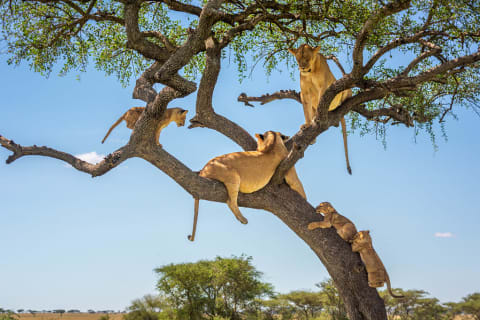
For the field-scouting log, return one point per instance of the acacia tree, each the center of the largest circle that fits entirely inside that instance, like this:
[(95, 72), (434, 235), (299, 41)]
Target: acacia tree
[(148, 40)]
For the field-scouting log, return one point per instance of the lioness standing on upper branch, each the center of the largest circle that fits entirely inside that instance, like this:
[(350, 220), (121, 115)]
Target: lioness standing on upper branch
[(131, 117), (249, 171), (315, 78)]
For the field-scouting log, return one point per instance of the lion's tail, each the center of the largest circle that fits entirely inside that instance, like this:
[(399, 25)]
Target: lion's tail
[(195, 218), (113, 126), (345, 146), (389, 287)]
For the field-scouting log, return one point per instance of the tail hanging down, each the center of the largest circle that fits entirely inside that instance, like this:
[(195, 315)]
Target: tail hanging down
[(195, 218), (113, 127), (389, 287), (345, 146)]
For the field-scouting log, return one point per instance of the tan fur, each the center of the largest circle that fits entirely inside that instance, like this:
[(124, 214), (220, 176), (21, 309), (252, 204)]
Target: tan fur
[(249, 171), (377, 275), (315, 78), (132, 115), (345, 228)]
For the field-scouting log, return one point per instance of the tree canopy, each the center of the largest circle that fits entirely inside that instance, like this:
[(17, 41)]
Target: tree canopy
[(222, 287), (176, 44)]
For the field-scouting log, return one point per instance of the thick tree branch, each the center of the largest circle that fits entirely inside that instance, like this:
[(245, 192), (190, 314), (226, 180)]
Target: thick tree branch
[(183, 7), (136, 40), (385, 11), (206, 116), (111, 161)]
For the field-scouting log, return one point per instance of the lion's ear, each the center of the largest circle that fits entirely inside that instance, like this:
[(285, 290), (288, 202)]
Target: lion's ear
[(292, 51), (316, 49), (184, 111)]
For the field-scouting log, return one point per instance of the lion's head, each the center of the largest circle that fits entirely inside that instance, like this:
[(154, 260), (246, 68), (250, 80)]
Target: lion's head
[(305, 56), (361, 240)]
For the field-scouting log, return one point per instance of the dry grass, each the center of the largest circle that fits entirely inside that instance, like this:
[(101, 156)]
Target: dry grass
[(68, 316)]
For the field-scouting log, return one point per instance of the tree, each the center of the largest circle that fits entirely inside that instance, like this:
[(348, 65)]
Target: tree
[(148, 40), (222, 287), (149, 307), (469, 305), (8, 315), (275, 307), (306, 302), (333, 303), (415, 305)]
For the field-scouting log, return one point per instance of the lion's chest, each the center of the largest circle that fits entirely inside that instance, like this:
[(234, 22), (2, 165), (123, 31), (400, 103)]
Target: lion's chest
[(256, 177)]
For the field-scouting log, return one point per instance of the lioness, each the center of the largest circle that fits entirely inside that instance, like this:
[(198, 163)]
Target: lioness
[(377, 275), (315, 78), (131, 116), (249, 171), (345, 228)]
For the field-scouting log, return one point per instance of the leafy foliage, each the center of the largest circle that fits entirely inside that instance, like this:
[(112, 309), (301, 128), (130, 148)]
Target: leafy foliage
[(414, 306), (73, 33), (222, 287), (470, 305)]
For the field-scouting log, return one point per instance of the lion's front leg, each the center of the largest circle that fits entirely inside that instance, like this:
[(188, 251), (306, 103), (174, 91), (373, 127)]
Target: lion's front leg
[(307, 109)]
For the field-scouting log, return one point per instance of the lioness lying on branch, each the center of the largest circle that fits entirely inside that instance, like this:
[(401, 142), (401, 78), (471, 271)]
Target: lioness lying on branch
[(249, 171)]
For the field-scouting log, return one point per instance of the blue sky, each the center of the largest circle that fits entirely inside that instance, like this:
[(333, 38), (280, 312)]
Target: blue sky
[(70, 241)]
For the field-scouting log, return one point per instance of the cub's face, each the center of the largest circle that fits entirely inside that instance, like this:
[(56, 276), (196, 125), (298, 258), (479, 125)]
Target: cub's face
[(305, 56), (325, 208), (361, 238), (180, 116), (267, 140)]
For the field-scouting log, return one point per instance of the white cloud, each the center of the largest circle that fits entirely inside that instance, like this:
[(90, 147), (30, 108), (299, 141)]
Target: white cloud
[(443, 235), (91, 157)]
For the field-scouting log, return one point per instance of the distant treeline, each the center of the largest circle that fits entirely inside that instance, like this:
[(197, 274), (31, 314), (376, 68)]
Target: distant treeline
[(232, 288), (5, 311)]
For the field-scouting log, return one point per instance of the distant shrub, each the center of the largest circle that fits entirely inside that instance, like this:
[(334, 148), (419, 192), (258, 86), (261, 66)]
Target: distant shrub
[(8, 315), (141, 315), (104, 317)]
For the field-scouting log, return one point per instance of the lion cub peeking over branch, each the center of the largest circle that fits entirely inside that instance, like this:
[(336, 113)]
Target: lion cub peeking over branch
[(345, 228), (377, 275), (131, 116), (249, 171), (315, 78)]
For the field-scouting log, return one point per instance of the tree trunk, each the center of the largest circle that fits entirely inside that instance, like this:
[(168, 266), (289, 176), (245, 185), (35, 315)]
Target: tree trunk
[(344, 266)]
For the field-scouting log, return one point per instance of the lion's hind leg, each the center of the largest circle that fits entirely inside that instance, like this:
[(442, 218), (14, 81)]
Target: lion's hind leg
[(376, 279), (347, 232), (232, 182)]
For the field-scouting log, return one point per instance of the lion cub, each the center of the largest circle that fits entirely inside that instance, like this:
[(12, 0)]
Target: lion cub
[(345, 228), (377, 275), (131, 116), (249, 171), (315, 78)]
